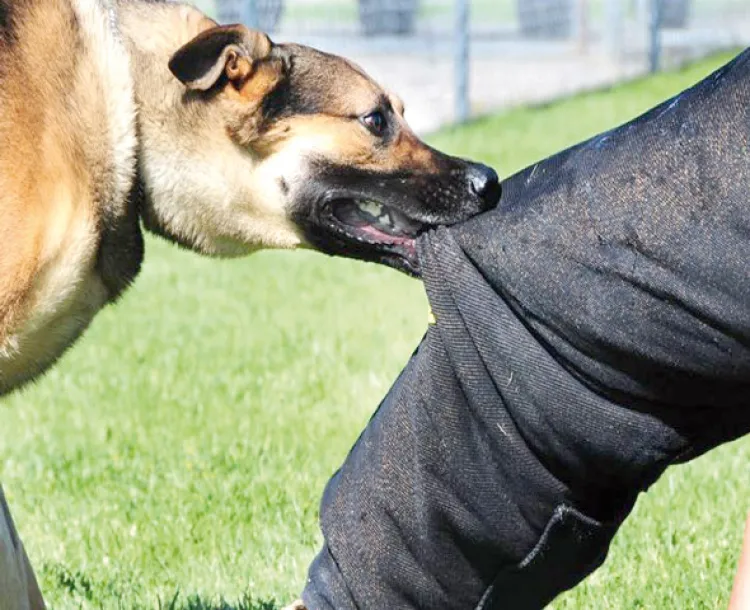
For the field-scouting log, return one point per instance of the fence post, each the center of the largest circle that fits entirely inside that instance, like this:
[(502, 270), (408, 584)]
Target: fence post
[(657, 12), (249, 13), (614, 19), (462, 61), (582, 25)]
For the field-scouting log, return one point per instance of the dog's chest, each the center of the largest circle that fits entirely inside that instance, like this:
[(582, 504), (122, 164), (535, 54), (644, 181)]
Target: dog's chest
[(66, 294), (90, 243)]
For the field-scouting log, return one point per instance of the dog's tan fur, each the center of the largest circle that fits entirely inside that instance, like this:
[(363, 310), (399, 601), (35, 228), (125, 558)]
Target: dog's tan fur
[(117, 112), (68, 149)]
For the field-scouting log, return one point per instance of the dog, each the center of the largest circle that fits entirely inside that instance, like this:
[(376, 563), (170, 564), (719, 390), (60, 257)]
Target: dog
[(123, 114)]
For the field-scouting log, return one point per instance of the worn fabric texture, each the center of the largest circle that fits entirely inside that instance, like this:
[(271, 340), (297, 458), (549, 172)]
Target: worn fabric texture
[(591, 331)]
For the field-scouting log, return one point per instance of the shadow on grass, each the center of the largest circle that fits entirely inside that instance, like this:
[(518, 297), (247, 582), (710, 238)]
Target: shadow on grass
[(195, 602)]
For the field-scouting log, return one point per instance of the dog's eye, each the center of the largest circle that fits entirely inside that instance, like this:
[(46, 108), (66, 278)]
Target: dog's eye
[(375, 122)]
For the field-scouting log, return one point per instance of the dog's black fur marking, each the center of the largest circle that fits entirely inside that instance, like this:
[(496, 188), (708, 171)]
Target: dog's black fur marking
[(430, 199), (8, 13), (121, 245)]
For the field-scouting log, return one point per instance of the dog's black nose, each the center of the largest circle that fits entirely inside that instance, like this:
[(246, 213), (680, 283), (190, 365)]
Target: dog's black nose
[(485, 184)]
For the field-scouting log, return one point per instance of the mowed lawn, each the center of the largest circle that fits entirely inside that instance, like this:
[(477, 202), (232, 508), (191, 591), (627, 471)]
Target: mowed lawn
[(177, 455)]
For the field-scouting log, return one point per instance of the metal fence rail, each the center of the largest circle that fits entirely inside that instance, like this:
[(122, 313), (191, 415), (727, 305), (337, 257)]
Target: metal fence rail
[(451, 59)]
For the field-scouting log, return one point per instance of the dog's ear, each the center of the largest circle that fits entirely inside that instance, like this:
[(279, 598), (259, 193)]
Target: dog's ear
[(223, 50)]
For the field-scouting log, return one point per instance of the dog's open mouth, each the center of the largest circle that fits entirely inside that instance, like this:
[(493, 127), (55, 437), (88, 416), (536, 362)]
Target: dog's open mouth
[(376, 231)]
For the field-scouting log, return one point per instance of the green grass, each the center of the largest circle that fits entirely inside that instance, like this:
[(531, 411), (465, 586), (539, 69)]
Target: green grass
[(177, 455), (483, 12)]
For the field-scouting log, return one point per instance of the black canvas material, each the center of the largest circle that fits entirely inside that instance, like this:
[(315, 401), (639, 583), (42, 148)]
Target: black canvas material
[(591, 331)]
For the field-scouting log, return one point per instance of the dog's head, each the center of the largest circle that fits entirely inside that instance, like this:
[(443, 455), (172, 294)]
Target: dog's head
[(298, 147)]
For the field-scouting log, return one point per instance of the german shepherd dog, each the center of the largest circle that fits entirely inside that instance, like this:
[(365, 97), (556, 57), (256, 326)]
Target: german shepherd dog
[(117, 113)]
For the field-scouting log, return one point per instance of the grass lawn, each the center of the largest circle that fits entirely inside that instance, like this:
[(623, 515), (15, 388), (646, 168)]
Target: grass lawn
[(177, 455)]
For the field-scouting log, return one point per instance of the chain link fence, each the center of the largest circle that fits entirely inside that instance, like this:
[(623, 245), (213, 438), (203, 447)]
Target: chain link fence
[(451, 59)]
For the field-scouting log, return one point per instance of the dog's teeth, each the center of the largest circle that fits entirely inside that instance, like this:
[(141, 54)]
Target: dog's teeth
[(386, 220), (370, 207)]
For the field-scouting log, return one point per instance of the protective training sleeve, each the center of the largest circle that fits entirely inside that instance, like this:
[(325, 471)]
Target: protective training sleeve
[(591, 331)]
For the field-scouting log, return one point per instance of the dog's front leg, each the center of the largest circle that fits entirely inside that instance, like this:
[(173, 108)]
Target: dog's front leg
[(18, 586)]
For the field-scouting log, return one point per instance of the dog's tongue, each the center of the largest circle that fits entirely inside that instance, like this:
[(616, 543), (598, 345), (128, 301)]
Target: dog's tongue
[(388, 238)]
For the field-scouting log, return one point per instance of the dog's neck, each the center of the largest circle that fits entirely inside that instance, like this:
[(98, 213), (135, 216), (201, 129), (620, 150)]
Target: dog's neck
[(152, 32), (199, 185)]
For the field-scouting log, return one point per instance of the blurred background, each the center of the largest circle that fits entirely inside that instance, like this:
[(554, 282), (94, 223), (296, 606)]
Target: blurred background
[(455, 59), (175, 459)]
